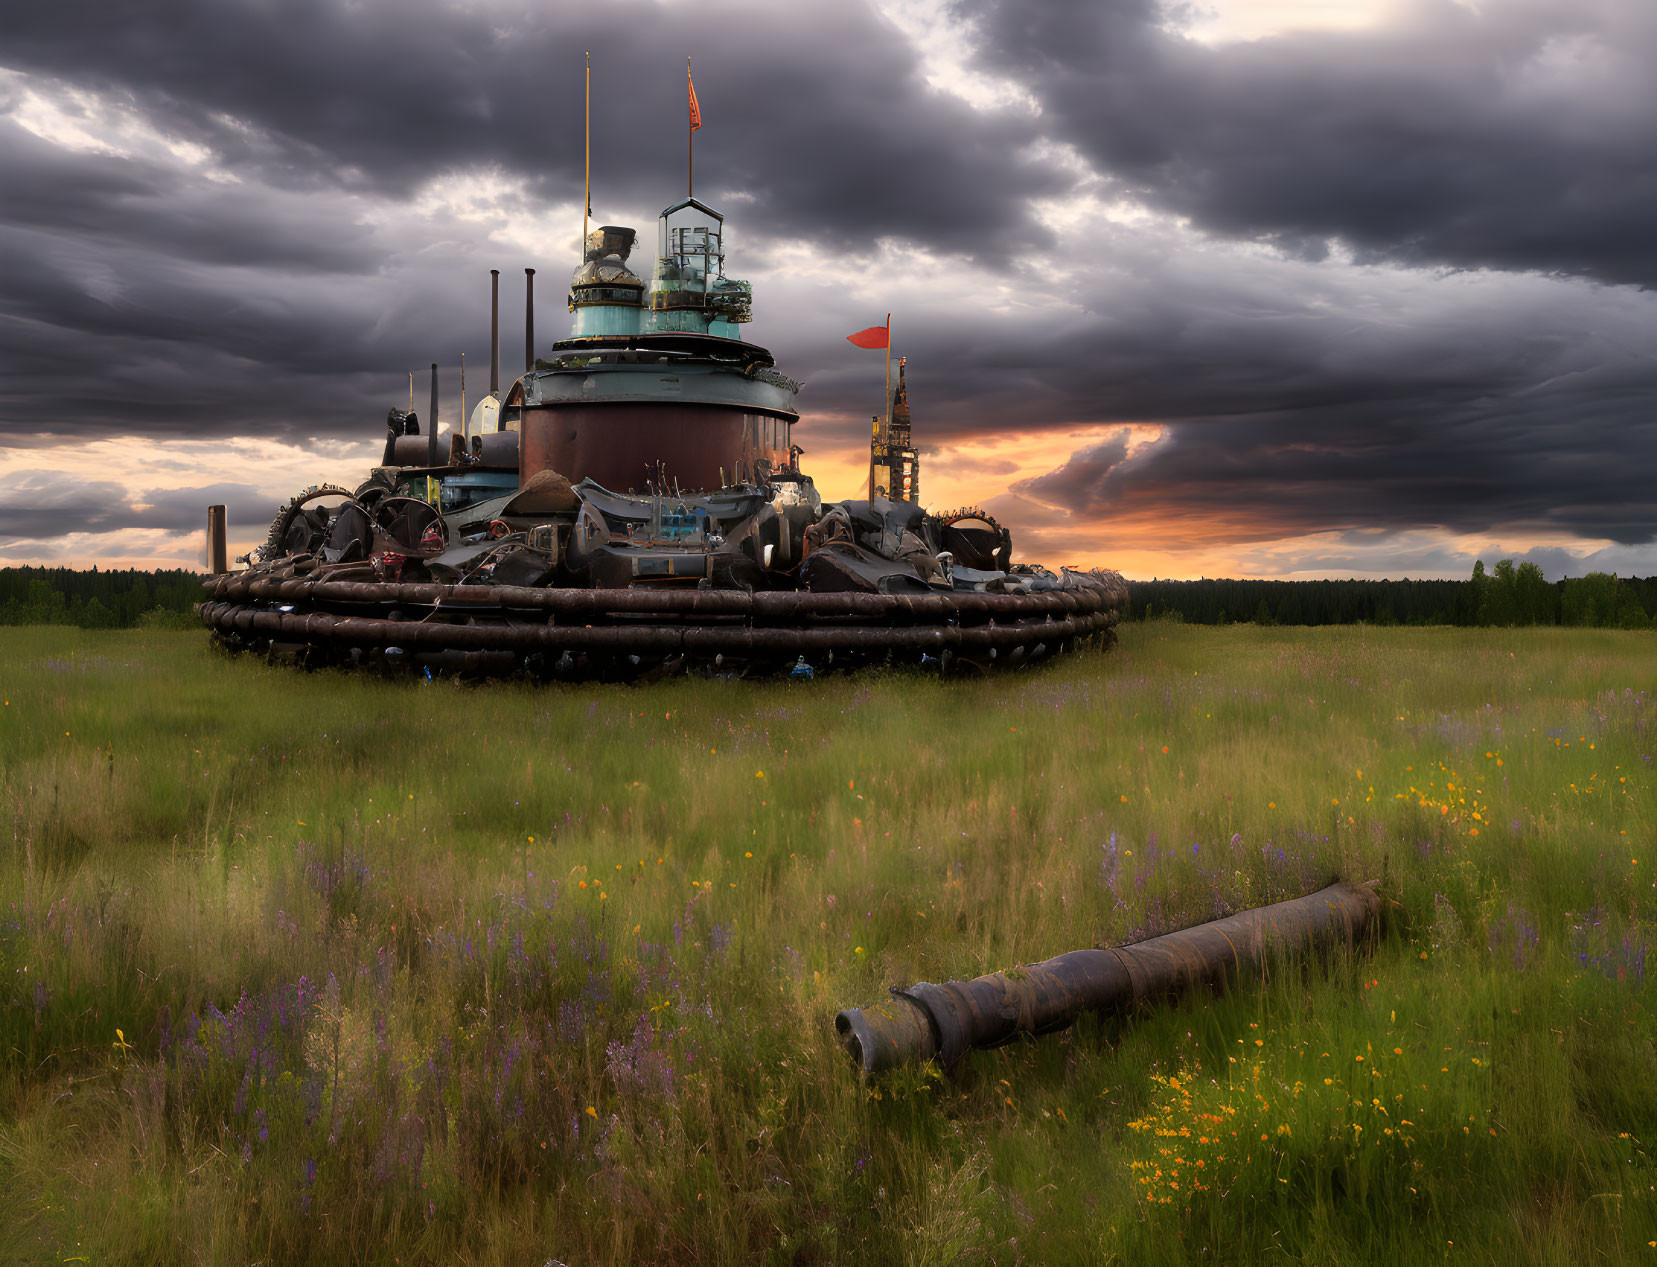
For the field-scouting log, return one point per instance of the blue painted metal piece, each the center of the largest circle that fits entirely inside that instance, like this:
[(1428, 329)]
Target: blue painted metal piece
[(466, 488)]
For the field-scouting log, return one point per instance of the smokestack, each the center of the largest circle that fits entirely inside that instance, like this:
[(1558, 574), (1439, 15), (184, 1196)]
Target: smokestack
[(431, 423), (495, 332), (216, 553), (529, 319)]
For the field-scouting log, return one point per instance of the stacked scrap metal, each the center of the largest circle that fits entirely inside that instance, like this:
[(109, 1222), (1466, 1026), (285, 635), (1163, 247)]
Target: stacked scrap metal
[(553, 580)]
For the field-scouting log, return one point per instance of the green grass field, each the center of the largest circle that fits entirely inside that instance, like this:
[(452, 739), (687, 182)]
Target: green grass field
[(311, 966)]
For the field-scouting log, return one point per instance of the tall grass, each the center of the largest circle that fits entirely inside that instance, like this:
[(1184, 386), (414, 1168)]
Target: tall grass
[(315, 966)]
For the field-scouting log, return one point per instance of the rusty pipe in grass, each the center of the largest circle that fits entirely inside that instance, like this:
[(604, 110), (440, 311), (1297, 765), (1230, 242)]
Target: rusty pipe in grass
[(946, 1021)]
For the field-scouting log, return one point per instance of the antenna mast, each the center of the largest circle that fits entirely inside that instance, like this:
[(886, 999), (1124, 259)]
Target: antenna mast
[(587, 150), (693, 120)]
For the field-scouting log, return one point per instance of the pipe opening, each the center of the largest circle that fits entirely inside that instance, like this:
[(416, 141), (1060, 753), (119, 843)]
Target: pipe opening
[(848, 1038)]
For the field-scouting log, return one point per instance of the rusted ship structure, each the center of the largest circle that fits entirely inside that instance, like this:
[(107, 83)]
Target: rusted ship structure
[(634, 505)]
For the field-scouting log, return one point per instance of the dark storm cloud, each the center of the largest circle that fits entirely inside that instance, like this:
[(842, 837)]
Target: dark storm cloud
[(284, 285), (1297, 405), (102, 339), (148, 207), (818, 113), (142, 296), (260, 293), (42, 505), (1227, 336), (1516, 136), (1486, 466)]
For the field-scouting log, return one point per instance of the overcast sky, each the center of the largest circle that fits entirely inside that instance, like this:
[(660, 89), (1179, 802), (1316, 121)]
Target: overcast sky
[(1250, 287)]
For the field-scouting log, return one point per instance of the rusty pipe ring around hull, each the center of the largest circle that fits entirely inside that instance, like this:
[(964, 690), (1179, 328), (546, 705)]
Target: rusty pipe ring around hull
[(944, 1022), (760, 605), (520, 635)]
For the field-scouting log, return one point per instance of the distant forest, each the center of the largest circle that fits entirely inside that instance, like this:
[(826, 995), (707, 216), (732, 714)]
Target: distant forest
[(1506, 595), (98, 599)]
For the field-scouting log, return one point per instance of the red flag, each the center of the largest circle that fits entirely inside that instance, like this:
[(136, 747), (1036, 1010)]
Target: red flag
[(873, 337), (695, 110)]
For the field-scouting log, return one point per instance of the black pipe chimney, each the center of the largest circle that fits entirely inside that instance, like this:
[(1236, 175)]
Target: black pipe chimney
[(529, 319), (495, 332), (217, 556), (431, 423)]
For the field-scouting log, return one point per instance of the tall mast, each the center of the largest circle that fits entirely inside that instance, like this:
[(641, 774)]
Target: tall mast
[(693, 120), (887, 429), (587, 149), (883, 424)]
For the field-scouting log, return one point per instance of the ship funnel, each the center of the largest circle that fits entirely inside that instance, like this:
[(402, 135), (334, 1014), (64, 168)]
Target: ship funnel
[(431, 423), (529, 319), (216, 554), (494, 332)]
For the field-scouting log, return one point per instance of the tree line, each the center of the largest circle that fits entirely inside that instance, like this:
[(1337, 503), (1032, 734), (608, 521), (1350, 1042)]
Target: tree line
[(97, 599), (1507, 594)]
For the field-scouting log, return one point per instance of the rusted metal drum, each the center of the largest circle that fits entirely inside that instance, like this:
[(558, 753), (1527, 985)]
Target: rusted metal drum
[(624, 444), (691, 410)]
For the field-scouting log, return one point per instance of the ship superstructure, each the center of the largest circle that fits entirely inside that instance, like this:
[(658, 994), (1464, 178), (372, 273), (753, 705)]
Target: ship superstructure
[(654, 384)]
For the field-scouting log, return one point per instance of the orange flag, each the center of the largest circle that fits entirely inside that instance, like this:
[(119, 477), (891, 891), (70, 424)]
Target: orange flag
[(873, 337), (695, 110)]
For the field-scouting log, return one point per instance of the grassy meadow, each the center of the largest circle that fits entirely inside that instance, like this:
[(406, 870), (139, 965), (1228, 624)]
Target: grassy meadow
[(307, 966)]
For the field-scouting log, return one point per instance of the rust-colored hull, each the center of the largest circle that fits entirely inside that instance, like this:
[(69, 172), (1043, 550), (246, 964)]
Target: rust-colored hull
[(619, 444)]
